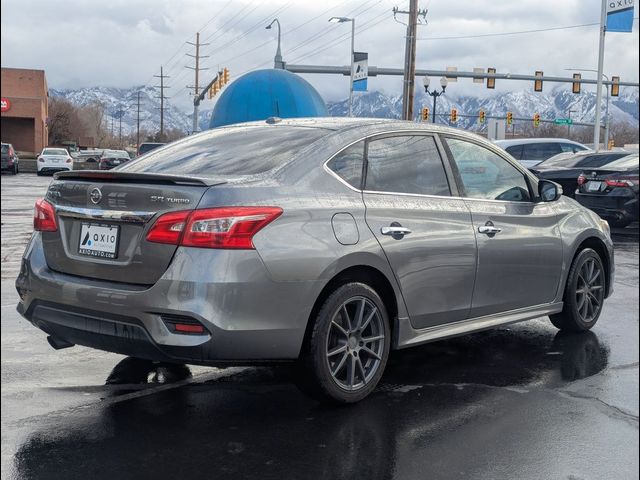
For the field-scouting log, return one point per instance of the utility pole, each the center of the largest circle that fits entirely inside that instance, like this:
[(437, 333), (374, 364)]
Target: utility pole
[(162, 98), (138, 123), (120, 113), (196, 85), (603, 29), (410, 57)]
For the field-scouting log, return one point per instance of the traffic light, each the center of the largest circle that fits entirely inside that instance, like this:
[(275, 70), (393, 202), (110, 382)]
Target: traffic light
[(576, 85), (215, 88), (509, 118), (491, 82), (536, 119), (225, 75), (454, 115), (425, 114), (537, 84), (219, 82), (615, 86), (481, 116)]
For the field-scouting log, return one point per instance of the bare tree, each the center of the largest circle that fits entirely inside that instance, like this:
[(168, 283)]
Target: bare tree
[(63, 122)]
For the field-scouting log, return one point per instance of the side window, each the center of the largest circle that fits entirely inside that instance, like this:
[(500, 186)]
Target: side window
[(515, 151), (406, 164), (570, 147), (348, 164), (486, 175), (540, 151)]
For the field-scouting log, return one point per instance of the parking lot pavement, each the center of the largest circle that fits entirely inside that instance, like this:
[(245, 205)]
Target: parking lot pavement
[(522, 401)]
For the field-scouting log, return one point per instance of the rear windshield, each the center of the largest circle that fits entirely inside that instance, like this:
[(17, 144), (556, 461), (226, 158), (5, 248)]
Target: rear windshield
[(54, 151), (228, 151), (5, 148), (584, 161), (147, 147), (115, 154), (630, 161)]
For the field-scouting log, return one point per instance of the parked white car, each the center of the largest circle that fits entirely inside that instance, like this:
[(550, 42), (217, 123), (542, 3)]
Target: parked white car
[(54, 160), (531, 151)]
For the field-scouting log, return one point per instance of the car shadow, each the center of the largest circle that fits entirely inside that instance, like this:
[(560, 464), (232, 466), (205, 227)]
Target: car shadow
[(256, 425)]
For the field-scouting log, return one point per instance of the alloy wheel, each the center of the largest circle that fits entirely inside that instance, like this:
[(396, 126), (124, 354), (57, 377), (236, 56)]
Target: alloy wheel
[(589, 290), (355, 344)]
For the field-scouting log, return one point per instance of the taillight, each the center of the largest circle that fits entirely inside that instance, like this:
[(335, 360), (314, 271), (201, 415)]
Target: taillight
[(40, 159), (44, 217), (69, 160), (622, 182), (582, 180), (169, 227), (225, 227)]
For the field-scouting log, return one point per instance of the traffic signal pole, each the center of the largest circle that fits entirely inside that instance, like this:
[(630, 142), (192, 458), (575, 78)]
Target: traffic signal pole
[(196, 85)]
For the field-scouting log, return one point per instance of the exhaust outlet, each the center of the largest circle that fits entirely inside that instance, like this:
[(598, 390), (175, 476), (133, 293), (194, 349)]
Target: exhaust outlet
[(58, 343)]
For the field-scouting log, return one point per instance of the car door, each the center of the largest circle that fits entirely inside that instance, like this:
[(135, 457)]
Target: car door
[(425, 232), (519, 244)]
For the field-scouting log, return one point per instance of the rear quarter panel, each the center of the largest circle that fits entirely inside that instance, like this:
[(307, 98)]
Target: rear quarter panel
[(578, 224)]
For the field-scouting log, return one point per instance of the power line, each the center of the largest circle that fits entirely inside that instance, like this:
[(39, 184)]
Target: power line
[(520, 32)]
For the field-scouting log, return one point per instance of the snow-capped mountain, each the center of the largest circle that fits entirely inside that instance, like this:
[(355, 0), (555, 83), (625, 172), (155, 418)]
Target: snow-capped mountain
[(115, 100), (555, 103)]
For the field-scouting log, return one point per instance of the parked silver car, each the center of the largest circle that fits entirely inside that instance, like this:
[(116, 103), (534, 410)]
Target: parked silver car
[(326, 242)]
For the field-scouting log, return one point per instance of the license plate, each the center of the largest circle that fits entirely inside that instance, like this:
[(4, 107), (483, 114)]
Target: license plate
[(594, 186), (99, 240)]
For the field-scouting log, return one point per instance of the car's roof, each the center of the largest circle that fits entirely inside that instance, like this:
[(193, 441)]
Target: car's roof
[(524, 141), (339, 124)]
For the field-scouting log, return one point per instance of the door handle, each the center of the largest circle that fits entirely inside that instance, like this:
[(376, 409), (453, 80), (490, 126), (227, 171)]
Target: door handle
[(489, 229), (395, 231)]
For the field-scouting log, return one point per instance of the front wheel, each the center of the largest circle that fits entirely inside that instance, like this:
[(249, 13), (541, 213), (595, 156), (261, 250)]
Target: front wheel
[(584, 293), (346, 353)]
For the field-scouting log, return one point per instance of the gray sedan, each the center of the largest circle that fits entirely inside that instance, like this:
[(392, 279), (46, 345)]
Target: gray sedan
[(324, 242)]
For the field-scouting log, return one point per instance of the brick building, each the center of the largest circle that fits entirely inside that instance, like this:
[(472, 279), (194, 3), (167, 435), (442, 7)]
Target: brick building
[(25, 98)]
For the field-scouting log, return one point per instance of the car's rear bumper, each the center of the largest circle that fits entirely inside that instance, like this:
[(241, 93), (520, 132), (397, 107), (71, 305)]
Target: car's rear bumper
[(53, 169), (247, 316), (616, 208)]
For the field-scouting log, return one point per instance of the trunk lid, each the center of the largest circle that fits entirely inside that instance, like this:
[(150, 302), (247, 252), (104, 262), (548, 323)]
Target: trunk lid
[(103, 218)]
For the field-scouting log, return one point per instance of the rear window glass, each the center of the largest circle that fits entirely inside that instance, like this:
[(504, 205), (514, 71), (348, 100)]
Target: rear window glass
[(585, 161), (54, 151), (629, 161), (540, 151), (147, 147), (515, 151), (5, 148), (228, 151)]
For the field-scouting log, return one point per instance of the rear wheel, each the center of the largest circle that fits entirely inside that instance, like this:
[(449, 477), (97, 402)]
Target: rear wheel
[(15, 169), (347, 350), (584, 293)]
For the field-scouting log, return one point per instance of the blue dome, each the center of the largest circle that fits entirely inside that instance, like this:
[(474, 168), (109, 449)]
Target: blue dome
[(262, 94)]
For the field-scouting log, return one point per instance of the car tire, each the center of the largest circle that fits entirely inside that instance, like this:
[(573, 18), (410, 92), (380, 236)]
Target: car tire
[(362, 341), (584, 293), (16, 170), (39, 173)]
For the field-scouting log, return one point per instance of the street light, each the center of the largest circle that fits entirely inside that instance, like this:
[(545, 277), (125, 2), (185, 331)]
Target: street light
[(277, 61), (606, 124), (353, 34), (434, 93)]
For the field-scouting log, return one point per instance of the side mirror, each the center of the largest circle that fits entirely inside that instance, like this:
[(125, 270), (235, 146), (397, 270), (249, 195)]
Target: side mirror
[(549, 191)]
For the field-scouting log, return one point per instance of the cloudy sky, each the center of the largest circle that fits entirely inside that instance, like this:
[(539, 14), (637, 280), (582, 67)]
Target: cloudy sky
[(122, 43)]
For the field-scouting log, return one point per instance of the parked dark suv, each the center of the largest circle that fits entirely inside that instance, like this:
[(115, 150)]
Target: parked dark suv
[(9, 159)]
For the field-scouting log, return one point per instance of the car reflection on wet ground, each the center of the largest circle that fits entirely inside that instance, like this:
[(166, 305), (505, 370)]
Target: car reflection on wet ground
[(522, 401)]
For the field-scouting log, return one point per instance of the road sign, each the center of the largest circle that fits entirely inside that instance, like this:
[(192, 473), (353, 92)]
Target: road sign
[(360, 71), (6, 104), (563, 121)]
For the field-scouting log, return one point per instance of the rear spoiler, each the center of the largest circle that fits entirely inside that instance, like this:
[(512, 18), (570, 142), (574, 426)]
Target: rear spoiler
[(128, 177)]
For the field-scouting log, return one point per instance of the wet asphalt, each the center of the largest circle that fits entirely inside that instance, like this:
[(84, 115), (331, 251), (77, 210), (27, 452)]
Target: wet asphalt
[(522, 401)]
